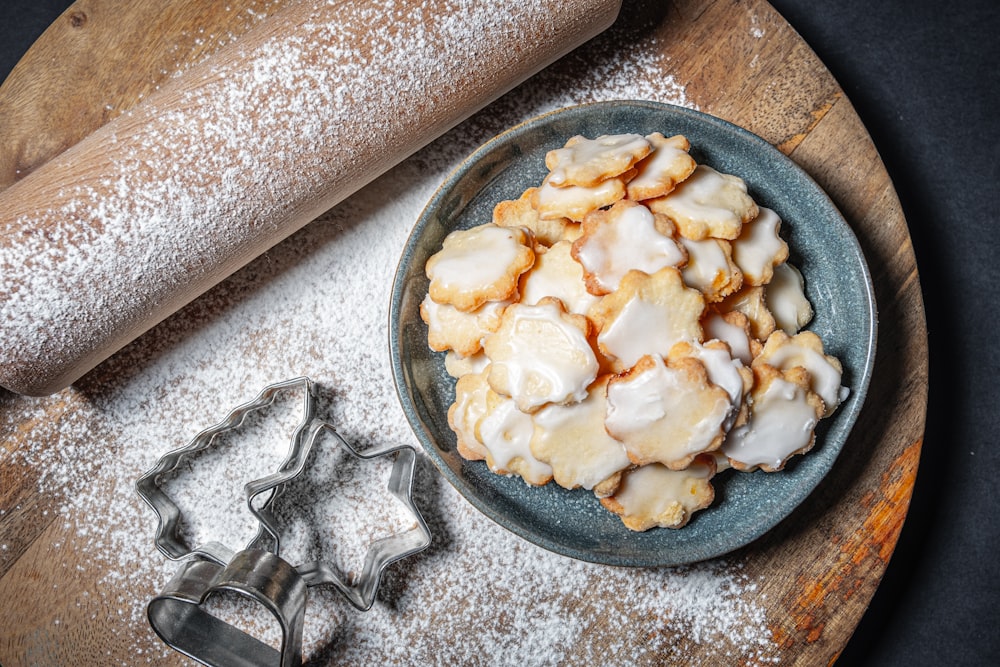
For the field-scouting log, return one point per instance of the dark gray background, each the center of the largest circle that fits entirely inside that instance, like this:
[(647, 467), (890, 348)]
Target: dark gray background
[(925, 79)]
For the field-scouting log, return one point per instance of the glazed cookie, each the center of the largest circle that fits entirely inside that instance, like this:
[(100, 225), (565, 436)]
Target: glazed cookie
[(647, 314), (760, 247), (571, 439), (541, 354), (707, 203), (723, 371), (654, 495), (466, 412), (449, 328), (506, 435), (479, 265), (666, 413), (625, 237), (586, 162), (575, 201), (521, 213), (710, 268), (786, 299), (660, 172), (557, 274), (732, 328), (781, 424), (456, 365), (750, 302), (805, 350)]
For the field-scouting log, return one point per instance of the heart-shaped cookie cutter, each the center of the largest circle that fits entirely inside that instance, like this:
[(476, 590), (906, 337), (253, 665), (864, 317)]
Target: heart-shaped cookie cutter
[(257, 571)]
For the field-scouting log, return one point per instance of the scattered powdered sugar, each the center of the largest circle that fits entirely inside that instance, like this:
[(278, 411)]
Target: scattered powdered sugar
[(238, 154), (317, 305)]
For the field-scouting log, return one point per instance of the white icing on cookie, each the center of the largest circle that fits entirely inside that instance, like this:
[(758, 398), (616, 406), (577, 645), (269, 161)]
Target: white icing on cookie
[(449, 328), (781, 423), (806, 350), (655, 495), (660, 171), (723, 371), (506, 433), (585, 161), (643, 328), (707, 203), (786, 299), (456, 365), (717, 328), (478, 265), (575, 201), (709, 268), (572, 439), (760, 247), (466, 412), (557, 274), (627, 240), (539, 356), (662, 414)]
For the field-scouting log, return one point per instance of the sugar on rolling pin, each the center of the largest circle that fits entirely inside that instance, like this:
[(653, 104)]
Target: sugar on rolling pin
[(133, 222)]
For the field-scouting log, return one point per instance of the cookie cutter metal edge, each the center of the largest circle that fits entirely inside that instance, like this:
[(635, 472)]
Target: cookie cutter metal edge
[(381, 553), (257, 572), (177, 616), (167, 532)]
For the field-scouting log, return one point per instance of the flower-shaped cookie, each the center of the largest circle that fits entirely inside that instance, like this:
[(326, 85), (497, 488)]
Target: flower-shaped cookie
[(624, 238), (466, 412), (805, 350), (449, 328), (759, 247), (506, 434), (786, 299), (572, 439), (647, 314), (781, 424), (707, 203), (573, 202), (557, 274), (521, 212), (654, 495), (750, 302), (660, 172), (666, 412), (584, 162), (479, 265), (710, 268), (541, 354)]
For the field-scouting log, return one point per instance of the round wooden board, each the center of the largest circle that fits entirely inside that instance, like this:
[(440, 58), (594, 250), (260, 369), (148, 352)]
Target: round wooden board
[(738, 60)]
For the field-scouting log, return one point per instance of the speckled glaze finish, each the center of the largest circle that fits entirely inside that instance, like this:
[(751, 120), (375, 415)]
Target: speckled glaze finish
[(573, 523)]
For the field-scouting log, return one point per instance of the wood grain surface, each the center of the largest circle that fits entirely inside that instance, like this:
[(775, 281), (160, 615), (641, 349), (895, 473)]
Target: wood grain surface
[(814, 574)]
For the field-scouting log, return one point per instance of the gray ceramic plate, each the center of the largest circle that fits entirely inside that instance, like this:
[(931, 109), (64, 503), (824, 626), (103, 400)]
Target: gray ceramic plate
[(572, 522)]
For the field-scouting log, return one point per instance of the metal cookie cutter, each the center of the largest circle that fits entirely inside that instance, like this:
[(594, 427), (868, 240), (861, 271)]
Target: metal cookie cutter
[(257, 571)]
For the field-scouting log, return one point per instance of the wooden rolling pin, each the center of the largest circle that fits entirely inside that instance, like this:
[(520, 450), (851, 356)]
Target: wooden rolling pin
[(234, 154)]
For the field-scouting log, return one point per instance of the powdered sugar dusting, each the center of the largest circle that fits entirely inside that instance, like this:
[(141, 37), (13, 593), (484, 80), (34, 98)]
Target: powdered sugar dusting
[(317, 305), (240, 153)]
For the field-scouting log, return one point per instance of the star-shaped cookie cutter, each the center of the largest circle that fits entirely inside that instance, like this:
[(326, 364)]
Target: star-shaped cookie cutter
[(257, 571), (382, 552)]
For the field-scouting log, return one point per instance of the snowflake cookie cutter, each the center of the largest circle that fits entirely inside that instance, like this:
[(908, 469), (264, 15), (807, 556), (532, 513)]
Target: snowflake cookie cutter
[(257, 571)]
